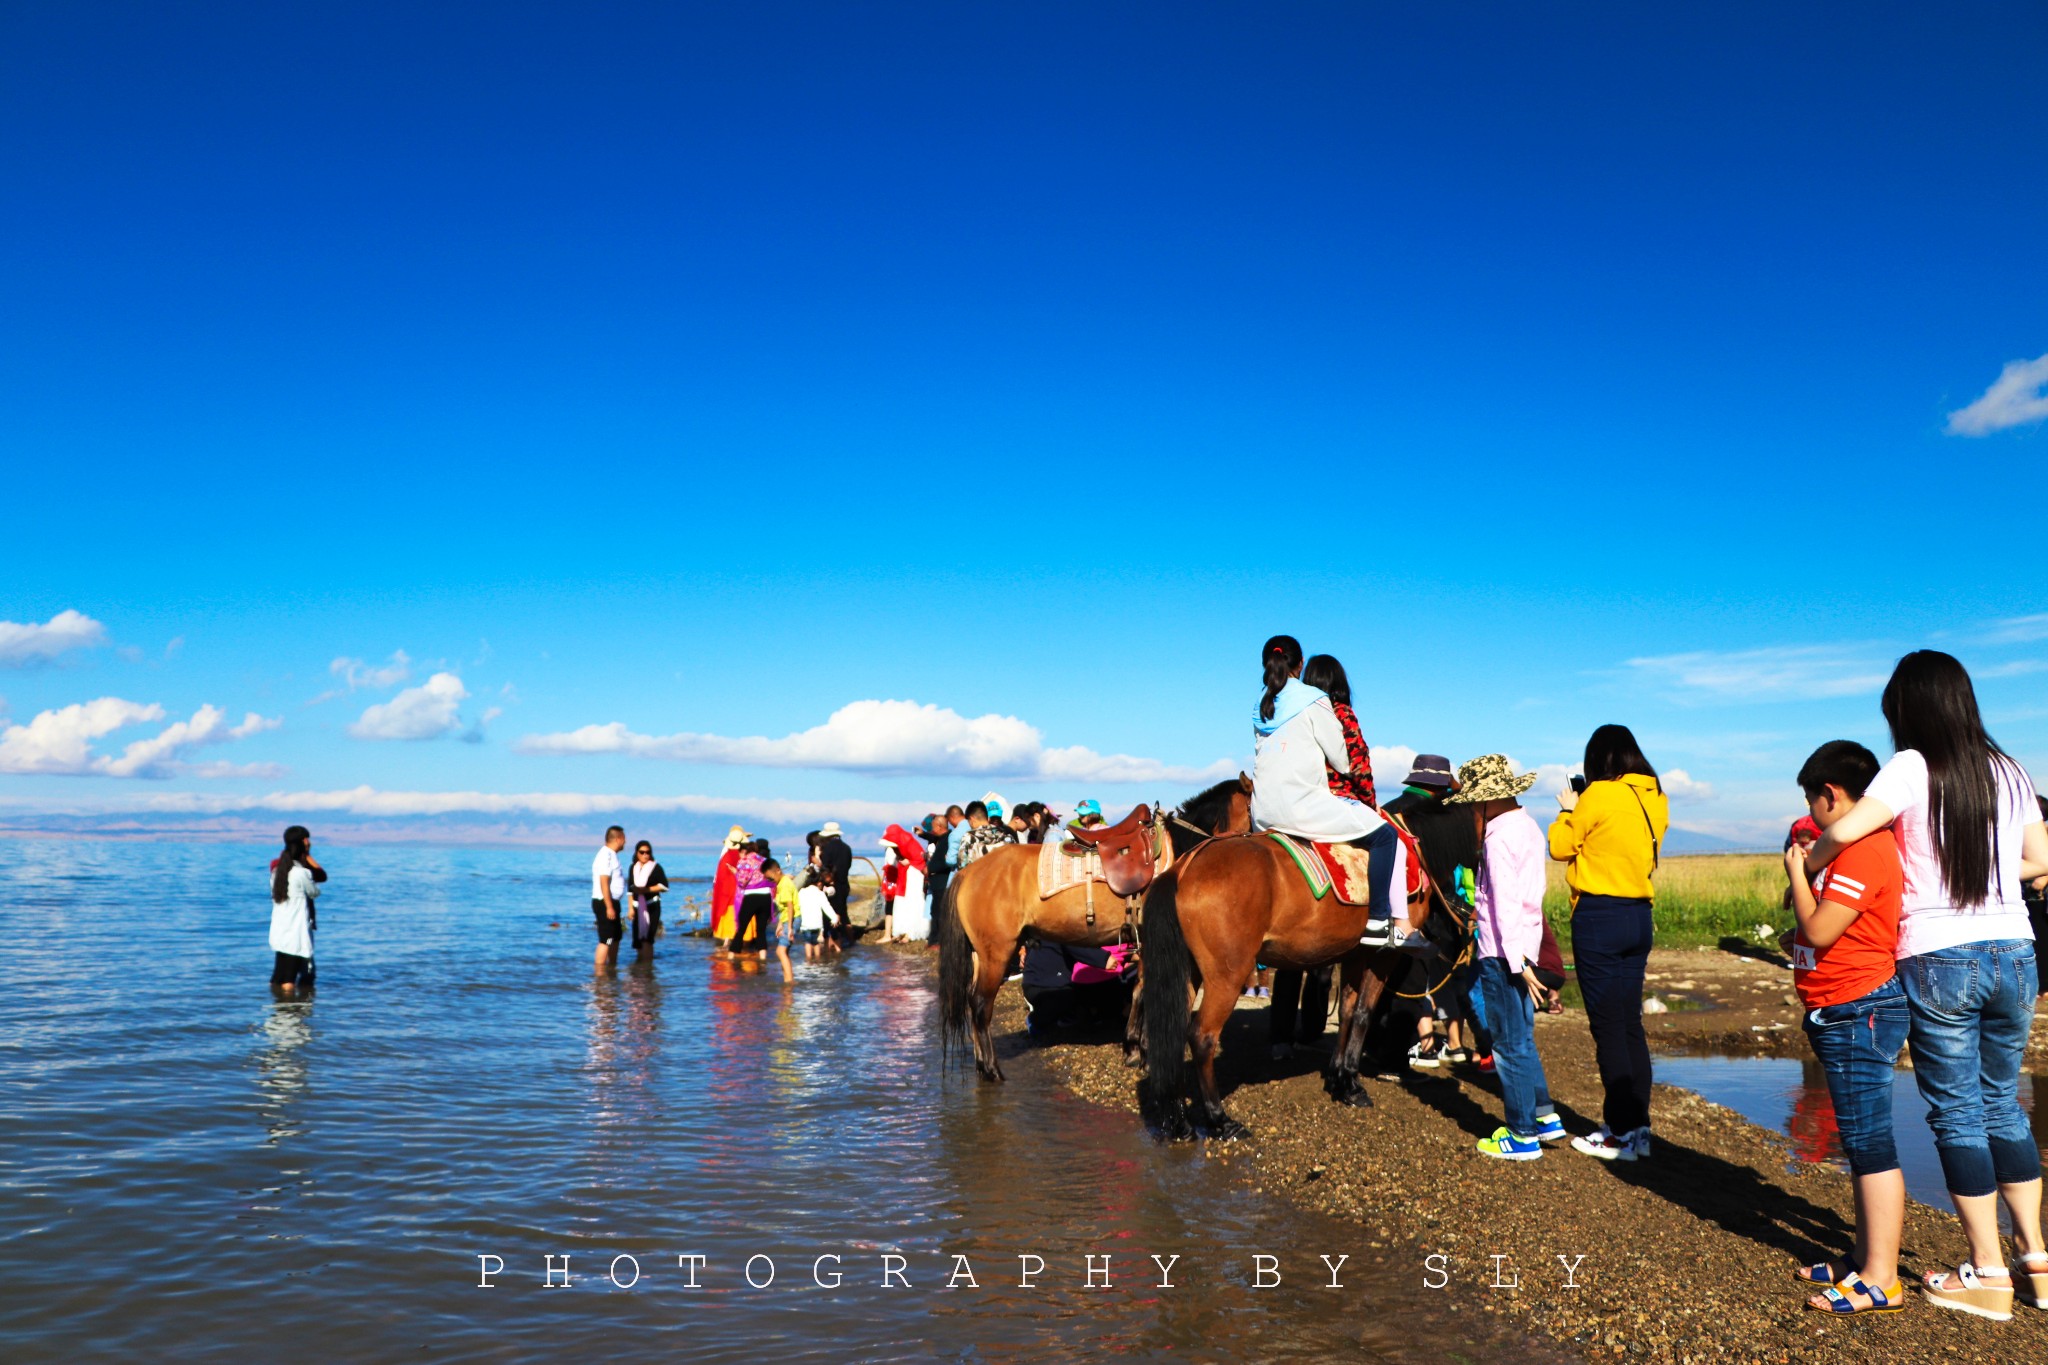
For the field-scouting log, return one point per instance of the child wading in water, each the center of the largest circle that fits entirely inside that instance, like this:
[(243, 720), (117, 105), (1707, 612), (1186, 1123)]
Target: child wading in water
[(1843, 955), (785, 914), (1508, 919)]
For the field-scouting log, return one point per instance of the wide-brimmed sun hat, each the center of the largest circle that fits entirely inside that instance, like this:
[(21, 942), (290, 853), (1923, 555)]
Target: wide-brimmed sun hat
[(831, 831), (1432, 771), (1489, 777), (736, 836)]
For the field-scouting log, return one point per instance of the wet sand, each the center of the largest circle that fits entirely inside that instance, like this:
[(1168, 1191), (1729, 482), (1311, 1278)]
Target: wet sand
[(1688, 1257)]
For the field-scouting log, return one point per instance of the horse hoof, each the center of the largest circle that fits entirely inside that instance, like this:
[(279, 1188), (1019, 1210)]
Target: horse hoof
[(1357, 1099), (1227, 1129), (1135, 1061)]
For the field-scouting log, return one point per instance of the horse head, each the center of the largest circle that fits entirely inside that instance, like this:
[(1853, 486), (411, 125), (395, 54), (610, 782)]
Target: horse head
[(1129, 851)]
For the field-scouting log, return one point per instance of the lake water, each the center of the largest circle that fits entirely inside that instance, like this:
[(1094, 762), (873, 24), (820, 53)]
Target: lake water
[(190, 1170), (1790, 1094)]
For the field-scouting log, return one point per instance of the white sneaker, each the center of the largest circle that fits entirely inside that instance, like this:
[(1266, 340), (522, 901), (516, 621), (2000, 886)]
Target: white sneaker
[(1607, 1147), (1378, 933)]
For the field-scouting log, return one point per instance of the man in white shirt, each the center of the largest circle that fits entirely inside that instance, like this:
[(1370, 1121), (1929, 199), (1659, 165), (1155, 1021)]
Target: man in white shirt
[(607, 892)]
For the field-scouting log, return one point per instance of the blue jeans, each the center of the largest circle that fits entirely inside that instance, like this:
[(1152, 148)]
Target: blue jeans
[(1858, 1044), (1610, 947), (1971, 1008), (1524, 1092), (1380, 847)]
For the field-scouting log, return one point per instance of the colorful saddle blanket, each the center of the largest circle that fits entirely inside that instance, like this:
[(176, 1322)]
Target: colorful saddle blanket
[(1061, 870), (1342, 867)]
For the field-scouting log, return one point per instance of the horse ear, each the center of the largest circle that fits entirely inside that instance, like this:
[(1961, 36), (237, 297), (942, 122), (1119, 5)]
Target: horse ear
[(1244, 780)]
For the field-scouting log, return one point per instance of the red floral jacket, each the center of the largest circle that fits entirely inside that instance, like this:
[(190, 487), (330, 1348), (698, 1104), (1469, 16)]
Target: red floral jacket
[(1356, 784)]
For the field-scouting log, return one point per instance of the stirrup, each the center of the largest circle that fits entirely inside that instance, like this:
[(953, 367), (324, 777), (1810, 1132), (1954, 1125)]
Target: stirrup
[(1378, 933)]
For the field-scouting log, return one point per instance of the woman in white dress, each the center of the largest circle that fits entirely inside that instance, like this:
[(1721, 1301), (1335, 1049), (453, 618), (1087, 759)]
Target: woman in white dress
[(294, 884), (1298, 733)]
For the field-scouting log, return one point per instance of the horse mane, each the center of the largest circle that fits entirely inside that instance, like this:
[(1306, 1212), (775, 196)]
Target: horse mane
[(1210, 808)]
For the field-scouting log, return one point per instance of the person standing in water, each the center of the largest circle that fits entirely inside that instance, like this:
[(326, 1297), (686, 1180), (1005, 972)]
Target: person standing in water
[(607, 892), (649, 881), (294, 884)]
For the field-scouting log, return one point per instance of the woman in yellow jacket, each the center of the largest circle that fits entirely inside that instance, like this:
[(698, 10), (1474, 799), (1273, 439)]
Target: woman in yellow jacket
[(1608, 838)]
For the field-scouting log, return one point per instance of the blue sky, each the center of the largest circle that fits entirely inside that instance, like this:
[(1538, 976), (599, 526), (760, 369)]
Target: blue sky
[(655, 378)]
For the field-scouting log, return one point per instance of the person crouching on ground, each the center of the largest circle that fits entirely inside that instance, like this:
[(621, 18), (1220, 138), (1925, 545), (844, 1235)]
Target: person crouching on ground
[(1843, 966), (294, 884), (607, 891), (785, 914), (1508, 922)]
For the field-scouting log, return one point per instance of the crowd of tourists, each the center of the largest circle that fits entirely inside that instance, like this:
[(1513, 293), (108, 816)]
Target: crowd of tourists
[(1917, 889), (1916, 886)]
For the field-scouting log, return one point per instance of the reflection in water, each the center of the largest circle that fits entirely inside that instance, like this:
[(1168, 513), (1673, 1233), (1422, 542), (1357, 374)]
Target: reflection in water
[(1790, 1094), (281, 1068)]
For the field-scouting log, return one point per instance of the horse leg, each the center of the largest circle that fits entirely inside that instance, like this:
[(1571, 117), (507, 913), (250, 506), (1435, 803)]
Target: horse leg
[(1341, 1076), (1373, 974), (1134, 1028), (988, 981), (1206, 1043)]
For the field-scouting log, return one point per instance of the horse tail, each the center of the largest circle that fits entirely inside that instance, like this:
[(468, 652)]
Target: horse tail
[(1169, 968), (956, 976)]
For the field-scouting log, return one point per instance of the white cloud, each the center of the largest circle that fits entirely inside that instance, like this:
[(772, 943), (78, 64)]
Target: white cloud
[(1785, 673), (358, 675), (887, 737), (2018, 630), (423, 712), (370, 802), (267, 771), (1680, 785), (2018, 396), (31, 643), (59, 742), (253, 724)]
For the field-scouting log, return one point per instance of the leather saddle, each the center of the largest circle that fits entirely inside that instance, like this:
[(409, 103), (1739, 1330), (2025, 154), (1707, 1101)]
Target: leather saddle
[(1125, 849)]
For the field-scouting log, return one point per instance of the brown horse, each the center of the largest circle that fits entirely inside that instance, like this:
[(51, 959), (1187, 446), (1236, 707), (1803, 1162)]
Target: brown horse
[(1235, 903), (993, 903)]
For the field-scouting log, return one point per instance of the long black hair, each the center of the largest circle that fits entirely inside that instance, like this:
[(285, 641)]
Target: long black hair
[(294, 855), (1280, 658), (1931, 707), (1325, 673), (1612, 752)]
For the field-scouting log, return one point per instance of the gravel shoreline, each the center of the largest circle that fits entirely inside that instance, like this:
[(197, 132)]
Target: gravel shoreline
[(1688, 1257)]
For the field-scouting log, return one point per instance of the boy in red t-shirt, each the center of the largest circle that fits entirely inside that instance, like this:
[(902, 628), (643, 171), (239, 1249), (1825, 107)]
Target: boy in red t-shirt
[(1843, 956)]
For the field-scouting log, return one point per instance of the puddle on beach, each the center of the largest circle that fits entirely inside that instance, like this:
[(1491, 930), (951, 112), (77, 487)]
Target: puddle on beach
[(1790, 1095)]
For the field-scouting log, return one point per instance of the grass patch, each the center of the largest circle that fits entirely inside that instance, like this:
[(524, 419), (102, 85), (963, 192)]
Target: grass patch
[(1701, 899)]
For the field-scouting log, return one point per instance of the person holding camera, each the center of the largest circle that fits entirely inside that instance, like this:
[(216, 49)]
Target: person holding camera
[(1508, 924), (1607, 835)]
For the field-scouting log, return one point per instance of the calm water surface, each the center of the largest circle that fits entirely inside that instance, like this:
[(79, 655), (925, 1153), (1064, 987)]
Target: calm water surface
[(1790, 1094), (189, 1170)]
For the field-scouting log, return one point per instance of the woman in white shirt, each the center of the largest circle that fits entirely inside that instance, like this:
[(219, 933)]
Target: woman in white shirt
[(1297, 733), (1969, 831), (294, 884)]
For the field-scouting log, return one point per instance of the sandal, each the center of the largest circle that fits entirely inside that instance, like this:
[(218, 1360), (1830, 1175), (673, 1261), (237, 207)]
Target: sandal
[(1966, 1292), (1824, 1273), (1881, 1300), (2037, 1278)]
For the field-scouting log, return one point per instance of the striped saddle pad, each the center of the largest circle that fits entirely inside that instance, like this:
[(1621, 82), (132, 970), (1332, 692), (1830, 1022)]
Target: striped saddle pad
[(1328, 867), (1059, 870)]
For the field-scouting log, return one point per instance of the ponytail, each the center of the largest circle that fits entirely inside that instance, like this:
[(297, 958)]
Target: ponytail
[(293, 856), (1281, 658)]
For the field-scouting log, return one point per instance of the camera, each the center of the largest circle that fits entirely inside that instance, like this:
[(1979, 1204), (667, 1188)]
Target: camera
[(1579, 783)]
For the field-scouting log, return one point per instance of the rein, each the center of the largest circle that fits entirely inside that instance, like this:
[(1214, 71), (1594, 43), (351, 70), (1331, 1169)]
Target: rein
[(1464, 925)]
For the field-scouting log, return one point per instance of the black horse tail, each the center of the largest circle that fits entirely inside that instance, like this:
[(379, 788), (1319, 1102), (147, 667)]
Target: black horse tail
[(956, 976), (1168, 975)]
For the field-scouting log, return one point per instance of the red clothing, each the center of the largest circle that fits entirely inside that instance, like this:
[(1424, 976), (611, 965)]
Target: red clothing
[(1356, 784), (725, 889), (909, 853), (1868, 876)]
